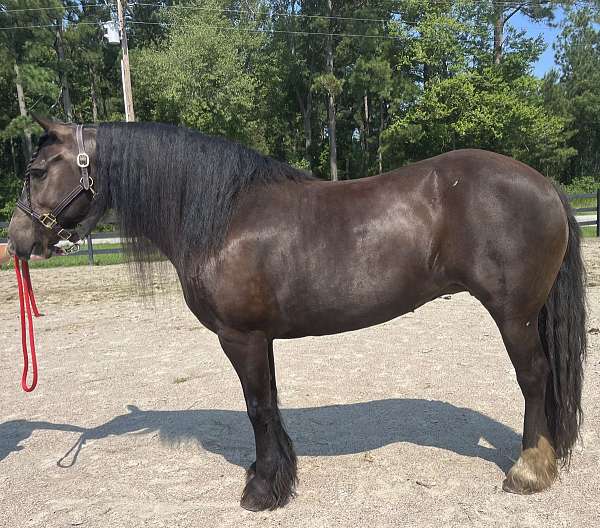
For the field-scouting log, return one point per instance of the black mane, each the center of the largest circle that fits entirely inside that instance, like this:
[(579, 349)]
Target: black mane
[(175, 186)]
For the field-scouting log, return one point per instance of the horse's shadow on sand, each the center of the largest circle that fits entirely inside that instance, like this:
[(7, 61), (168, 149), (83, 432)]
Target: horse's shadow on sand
[(316, 431)]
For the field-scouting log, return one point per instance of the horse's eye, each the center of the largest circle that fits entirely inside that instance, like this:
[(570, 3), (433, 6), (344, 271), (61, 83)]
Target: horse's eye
[(37, 173)]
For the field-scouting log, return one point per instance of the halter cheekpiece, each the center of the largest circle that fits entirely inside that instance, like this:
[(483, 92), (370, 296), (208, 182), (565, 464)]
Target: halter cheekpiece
[(86, 184)]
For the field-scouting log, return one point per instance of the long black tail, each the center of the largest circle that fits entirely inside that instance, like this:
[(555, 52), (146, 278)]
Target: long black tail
[(563, 333)]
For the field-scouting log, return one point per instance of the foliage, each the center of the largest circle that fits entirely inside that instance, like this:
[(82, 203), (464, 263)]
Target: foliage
[(201, 79), (410, 79), (582, 185), (480, 109), (574, 90)]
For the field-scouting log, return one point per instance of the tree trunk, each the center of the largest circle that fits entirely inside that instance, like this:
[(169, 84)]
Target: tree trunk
[(93, 95), (332, 139), (499, 21), (331, 105), (306, 110), (64, 81), (28, 148), (381, 127), (426, 74), (104, 105), (365, 135)]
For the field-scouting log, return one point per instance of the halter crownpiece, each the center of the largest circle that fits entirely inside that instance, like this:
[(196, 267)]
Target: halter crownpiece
[(86, 184), (83, 160)]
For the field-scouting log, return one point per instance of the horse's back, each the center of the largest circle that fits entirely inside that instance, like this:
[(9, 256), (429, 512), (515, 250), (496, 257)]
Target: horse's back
[(320, 257)]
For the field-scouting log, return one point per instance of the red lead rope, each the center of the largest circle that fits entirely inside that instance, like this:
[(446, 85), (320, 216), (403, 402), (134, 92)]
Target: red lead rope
[(27, 303)]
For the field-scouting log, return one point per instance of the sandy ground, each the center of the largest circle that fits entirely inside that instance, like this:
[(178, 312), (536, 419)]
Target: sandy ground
[(138, 419)]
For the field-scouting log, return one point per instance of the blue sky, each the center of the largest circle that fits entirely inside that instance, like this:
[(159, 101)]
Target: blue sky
[(549, 34)]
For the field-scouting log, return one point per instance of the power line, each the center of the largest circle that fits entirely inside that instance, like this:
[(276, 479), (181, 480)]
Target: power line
[(255, 30), (506, 3), (269, 13), (35, 26), (287, 32), (224, 28), (209, 9), (229, 28), (55, 8)]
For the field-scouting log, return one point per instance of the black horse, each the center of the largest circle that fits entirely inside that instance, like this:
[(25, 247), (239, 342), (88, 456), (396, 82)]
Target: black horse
[(264, 251)]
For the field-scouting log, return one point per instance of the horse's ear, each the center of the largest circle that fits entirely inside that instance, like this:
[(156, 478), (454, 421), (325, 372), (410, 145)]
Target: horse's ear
[(42, 121), (56, 129)]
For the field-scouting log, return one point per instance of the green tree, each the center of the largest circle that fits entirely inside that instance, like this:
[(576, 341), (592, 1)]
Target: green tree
[(573, 91), (28, 66), (93, 64), (481, 110), (202, 75)]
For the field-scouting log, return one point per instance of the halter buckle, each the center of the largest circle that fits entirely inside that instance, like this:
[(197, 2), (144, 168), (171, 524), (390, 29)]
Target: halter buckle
[(63, 234), (48, 220), (83, 160)]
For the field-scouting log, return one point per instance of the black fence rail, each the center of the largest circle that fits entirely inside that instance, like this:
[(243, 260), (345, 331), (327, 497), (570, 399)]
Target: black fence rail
[(101, 237)]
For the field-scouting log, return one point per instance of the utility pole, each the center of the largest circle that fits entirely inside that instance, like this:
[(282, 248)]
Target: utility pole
[(66, 95), (125, 72)]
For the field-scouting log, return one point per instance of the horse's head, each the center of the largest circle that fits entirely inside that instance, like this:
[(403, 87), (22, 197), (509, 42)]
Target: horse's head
[(58, 190)]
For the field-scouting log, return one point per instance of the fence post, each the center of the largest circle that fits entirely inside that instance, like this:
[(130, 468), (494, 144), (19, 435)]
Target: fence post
[(90, 250), (598, 212)]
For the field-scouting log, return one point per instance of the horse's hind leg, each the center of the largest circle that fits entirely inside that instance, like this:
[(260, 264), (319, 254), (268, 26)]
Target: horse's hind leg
[(272, 479), (536, 468)]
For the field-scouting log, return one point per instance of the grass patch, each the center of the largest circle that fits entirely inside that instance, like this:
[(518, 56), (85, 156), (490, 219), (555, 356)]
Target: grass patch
[(588, 231), (100, 245), (584, 202), (76, 260), (583, 185), (66, 262)]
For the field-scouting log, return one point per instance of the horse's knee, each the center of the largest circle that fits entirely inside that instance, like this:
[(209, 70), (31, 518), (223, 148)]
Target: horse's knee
[(261, 413)]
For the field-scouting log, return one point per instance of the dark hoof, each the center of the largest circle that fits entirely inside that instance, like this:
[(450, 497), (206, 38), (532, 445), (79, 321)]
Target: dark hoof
[(258, 496), (250, 472)]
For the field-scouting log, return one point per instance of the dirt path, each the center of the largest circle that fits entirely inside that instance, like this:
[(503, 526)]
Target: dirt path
[(410, 423)]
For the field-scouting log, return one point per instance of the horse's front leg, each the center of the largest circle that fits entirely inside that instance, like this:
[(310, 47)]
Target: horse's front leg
[(272, 479)]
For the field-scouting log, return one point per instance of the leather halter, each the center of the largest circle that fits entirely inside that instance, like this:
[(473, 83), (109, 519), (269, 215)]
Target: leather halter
[(86, 184)]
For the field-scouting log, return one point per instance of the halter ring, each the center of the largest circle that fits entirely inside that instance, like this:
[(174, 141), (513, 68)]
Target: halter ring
[(74, 248), (91, 189)]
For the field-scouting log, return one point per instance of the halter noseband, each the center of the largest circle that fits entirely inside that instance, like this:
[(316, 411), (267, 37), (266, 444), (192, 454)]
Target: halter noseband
[(86, 184)]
